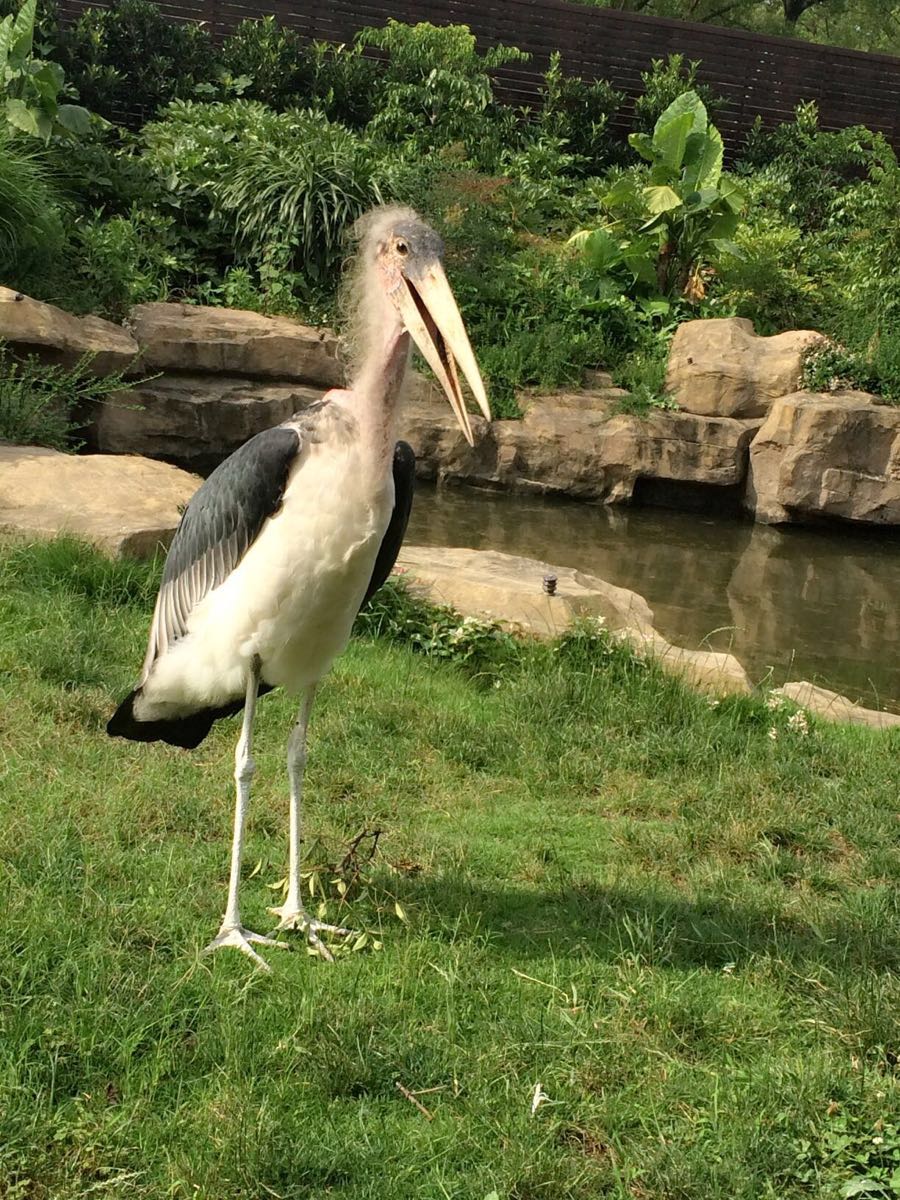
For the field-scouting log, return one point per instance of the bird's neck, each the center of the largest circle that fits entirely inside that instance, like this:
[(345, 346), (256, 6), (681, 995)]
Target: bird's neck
[(376, 391)]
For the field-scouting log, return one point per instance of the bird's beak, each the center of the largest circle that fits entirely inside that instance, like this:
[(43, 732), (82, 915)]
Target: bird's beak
[(432, 318)]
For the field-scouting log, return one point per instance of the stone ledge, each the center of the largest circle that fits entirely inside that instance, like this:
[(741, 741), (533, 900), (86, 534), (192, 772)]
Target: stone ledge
[(832, 706), (508, 589), (123, 505)]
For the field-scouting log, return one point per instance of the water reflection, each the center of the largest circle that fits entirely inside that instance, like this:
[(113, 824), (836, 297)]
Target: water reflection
[(794, 603)]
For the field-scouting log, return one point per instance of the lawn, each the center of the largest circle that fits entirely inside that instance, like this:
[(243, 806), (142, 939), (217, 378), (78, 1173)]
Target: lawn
[(674, 925)]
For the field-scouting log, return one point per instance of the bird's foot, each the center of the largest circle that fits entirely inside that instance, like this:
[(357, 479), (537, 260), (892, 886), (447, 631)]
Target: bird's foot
[(293, 918), (242, 939)]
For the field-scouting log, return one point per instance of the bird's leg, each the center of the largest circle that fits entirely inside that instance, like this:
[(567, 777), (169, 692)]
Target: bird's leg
[(232, 932), (292, 913)]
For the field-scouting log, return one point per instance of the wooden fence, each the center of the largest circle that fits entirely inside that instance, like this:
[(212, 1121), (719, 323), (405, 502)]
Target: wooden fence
[(757, 75)]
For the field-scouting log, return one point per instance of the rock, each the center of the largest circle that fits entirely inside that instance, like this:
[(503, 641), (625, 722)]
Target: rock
[(31, 327), (193, 420), (826, 455), (508, 589), (193, 338), (720, 368), (831, 706), (123, 505), (576, 444)]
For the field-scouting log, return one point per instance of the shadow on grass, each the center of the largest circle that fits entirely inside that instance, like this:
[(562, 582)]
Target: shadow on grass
[(610, 923)]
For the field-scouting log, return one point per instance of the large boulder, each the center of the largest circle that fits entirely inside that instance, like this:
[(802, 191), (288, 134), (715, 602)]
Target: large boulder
[(193, 338), (194, 420), (824, 455), (577, 444), (123, 505), (721, 368), (31, 327), (509, 589)]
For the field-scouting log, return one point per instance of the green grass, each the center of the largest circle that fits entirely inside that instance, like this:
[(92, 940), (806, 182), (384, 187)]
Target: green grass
[(685, 930)]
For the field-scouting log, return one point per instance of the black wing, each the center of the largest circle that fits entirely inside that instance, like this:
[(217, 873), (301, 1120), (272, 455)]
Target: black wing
[(404, 485), (221, 522)]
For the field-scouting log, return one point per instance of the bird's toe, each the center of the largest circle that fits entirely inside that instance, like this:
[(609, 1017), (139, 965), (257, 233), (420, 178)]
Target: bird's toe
[(244, 940), (297, 920)]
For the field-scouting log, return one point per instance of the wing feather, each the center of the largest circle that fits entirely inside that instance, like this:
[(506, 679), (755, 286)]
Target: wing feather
[(221, 522)]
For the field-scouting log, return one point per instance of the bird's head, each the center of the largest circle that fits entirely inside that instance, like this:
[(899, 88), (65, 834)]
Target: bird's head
[(406, 256)]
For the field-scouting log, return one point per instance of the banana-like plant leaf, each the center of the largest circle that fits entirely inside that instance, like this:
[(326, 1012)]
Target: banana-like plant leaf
[(661, 199), (74, 118), (623, 191), (687, 102), (670, 139), (601, 250), (726, 246)]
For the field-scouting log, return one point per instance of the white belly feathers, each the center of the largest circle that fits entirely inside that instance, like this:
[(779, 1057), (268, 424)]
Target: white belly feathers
[(292, 599)]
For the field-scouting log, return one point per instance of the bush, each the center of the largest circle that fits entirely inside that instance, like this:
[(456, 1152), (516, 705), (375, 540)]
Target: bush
[(128, 61), (776, 279), (664, 83), (38, 404), (580, 114), (283, 184), (273, 64), (814, 165), (268, 61), (436, 90)]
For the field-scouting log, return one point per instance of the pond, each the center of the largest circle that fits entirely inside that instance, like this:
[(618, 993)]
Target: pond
[(789, 603)]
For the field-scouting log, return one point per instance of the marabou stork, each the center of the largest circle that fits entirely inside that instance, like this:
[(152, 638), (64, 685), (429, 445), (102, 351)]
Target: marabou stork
[(286, 539)]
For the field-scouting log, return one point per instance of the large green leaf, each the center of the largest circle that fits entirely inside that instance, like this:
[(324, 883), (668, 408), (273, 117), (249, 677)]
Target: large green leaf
[(623, 191), (687, 102), (74, 118), (703, 159), (47, 80), (726, 246), (661, 199), (601, 250), (29, 120), (22, 38), (733, 195), (670, 139)]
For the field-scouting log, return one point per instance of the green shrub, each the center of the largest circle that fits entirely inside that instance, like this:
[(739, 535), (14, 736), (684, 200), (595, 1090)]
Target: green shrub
[(777, 279), (275, 65), (663, 83), (270, 62), (127, 61), (666, 225), (580, 114), (436, 90), (814, 165), (39, 403), (876, 369)]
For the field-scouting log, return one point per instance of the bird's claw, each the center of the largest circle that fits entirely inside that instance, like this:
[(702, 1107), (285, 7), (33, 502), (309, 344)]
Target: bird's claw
[(310, 927), (241, 939)]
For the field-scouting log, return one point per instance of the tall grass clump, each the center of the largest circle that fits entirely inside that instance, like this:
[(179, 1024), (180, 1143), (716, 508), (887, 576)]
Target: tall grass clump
[(31, 228)]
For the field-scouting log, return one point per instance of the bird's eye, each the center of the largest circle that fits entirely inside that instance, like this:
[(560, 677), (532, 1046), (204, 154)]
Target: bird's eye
[(402, 248)]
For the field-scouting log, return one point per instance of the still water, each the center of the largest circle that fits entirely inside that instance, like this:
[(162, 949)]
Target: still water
[(789, 603)]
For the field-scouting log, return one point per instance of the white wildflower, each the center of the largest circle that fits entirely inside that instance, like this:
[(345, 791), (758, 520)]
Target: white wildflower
[(773, 734), (798, 723), (773, 702)]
